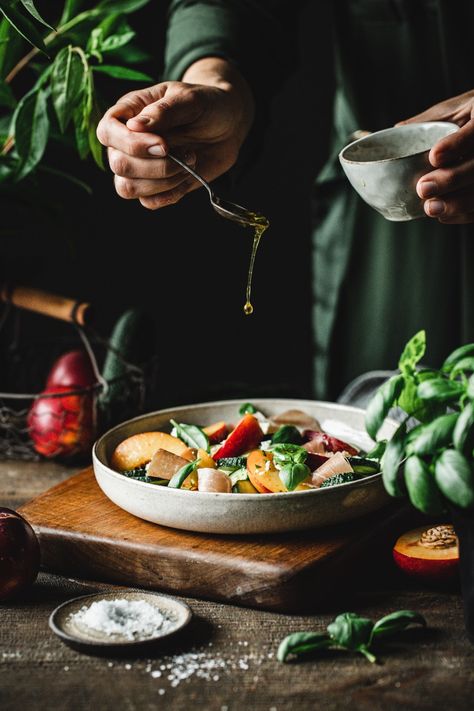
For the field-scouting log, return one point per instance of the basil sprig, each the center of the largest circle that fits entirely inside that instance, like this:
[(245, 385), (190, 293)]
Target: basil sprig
[(247, 409), (192, 435), (350, 632), (290, 460), (433, 462), (178, 479)]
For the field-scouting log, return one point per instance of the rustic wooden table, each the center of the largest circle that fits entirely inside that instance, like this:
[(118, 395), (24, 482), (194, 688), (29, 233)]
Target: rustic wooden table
[(226, 660)]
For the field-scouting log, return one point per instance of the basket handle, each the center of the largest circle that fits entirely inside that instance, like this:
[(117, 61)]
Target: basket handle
[(43, 302)]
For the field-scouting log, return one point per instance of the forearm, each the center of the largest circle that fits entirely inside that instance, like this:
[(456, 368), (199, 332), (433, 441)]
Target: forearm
[(217, 72)]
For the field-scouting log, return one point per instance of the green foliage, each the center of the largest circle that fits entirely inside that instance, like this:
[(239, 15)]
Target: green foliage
[(287, 434), (290, 459), (192, 435), (63, 102), (435, 459), (247, 409), (349, 632), (178, 479)]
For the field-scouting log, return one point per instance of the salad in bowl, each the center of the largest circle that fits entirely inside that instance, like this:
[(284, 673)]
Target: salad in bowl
[(204, 467), (259, 454)]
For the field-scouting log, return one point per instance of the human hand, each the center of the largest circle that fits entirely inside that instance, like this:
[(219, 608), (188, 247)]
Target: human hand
[(203, 123), (448, 190)]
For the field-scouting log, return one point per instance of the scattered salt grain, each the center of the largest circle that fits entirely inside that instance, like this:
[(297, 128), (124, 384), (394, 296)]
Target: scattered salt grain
[(129, 619), (128, 667)]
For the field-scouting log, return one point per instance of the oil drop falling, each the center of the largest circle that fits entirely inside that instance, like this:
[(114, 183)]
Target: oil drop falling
[(259, 224)]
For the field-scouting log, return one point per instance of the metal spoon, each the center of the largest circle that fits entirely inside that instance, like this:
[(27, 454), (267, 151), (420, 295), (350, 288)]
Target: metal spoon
[(225, 208)]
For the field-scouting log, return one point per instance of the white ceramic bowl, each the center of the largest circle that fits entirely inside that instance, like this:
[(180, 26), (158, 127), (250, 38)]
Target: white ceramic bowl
[(243, 513), (384, 167)]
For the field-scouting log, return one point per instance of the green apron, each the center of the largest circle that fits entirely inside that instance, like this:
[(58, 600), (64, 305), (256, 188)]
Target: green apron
[(375, 282)]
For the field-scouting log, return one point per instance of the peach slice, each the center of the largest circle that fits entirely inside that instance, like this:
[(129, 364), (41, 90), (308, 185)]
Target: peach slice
[(262, 472), (429, 554), (216, 432), (137, 450), (205, 460)]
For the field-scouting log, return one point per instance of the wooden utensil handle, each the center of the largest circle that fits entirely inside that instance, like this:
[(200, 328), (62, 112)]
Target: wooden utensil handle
[(42, 302)]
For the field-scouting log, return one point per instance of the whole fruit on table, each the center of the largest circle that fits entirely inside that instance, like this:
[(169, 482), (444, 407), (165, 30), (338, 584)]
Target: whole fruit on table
[(19, 554), (62, 426)]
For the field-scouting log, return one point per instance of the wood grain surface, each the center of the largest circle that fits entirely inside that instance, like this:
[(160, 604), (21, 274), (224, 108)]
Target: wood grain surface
[(83, 533), (420, 671)]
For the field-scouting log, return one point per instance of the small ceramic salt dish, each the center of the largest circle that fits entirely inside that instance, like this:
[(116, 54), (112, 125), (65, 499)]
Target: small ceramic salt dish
[(120, 622)]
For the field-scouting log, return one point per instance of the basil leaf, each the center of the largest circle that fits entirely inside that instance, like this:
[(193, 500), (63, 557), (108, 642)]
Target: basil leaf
[(392, 459), (30, 6), (122, 73), (67, 84), (177, 480), (413, 352), (238, 475), (455, 479), (457, 355), (117, 40), (395, 622), (302, 643), (350, 631), (31, 129), (6, 96), (288, 453), (24, 27), (463, 365), (94, 145), (463, 435), (378, 451), (380, 404), (440, 390), (192, 435), (470, 388), (293, 474), (247, 409), (433, 436), (421, 486), (287, 434)]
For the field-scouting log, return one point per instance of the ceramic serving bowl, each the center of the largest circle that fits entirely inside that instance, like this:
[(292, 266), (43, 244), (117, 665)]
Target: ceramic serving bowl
[(242, 513), (384, 167)]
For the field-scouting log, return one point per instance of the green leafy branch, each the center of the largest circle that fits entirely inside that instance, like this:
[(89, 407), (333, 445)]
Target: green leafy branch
[(433, 461), (349, 632), (64, 62)]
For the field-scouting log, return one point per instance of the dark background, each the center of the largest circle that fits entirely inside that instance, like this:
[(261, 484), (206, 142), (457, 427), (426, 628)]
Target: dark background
[(186, 266)]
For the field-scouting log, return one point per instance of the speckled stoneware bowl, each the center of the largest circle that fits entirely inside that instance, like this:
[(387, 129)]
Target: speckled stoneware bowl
[(243, 513), (384, 167)]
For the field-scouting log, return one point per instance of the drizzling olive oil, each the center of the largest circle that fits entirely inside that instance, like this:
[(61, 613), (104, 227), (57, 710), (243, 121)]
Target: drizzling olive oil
[(259, 224)]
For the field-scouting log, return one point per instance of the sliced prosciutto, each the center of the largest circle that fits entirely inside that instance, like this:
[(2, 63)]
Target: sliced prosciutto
[(322, 443), (336, 464), (213, 481)]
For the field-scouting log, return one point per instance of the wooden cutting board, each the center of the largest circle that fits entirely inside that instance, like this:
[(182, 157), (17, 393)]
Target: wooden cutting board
[(83, 534)]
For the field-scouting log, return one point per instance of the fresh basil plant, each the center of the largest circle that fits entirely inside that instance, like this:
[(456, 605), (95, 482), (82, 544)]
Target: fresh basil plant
[(433, 461)]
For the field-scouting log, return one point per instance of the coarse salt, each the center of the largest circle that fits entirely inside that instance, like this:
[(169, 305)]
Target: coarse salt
[(130, 619)]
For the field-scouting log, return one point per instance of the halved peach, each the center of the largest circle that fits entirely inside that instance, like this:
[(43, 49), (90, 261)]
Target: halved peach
[(262, 472), (428, 553), (137, 450)]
